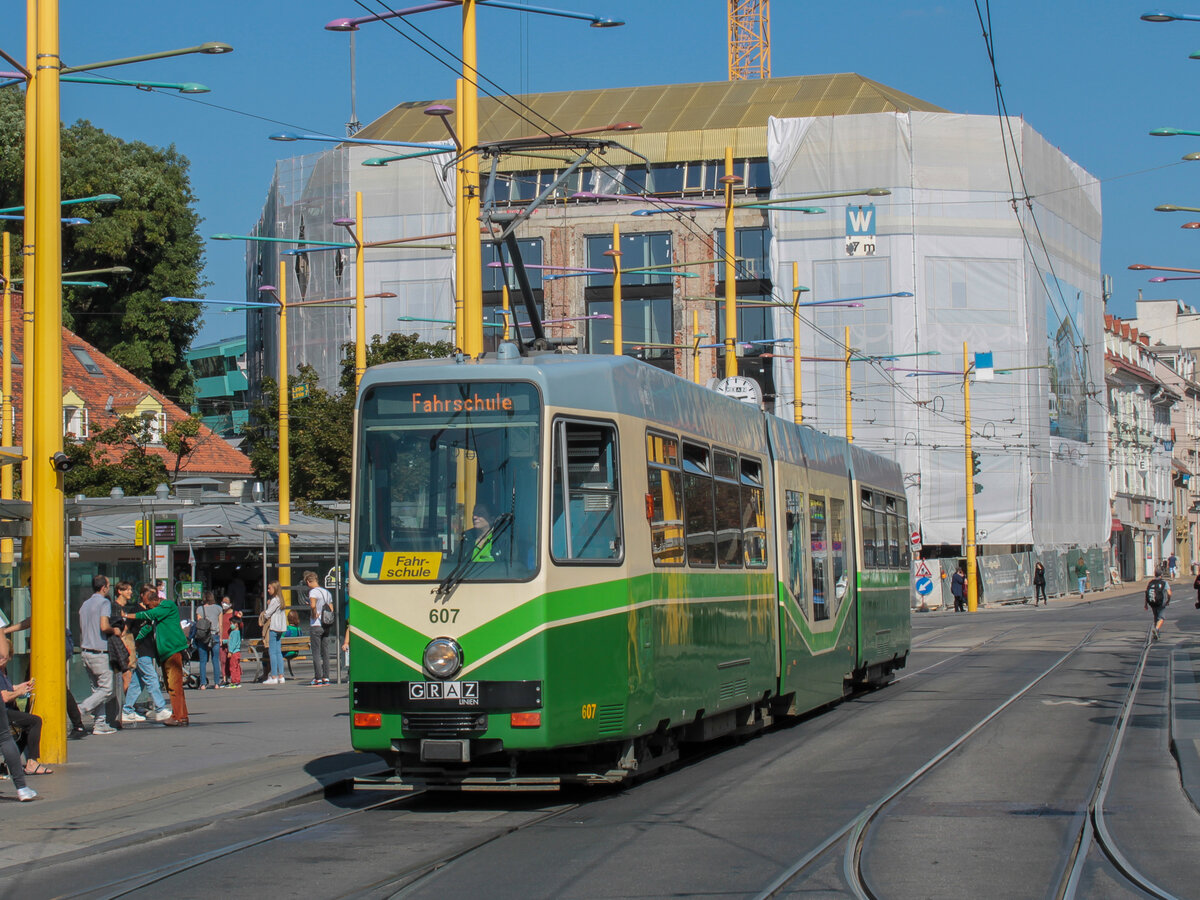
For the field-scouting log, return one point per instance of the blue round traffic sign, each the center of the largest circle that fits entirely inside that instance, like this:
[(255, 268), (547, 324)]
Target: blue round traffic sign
[(924, 586)]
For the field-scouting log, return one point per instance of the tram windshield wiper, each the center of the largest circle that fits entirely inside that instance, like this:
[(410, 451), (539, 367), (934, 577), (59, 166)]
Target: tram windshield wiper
[(468, 561)]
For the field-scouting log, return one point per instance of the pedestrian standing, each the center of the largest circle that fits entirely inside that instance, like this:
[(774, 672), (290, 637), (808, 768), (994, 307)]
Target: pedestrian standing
[(275, 619), (1039, 584), (145, 674), (1196, 585), (1158, 597), (226, 620), (233, 654), (169, 644), (1173, 565), (320, 627), (206, 632), (94, 629), (1081, 574), (120, 653), (958, 587)]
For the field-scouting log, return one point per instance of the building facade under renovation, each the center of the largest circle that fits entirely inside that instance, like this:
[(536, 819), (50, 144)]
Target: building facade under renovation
[(920, 240)]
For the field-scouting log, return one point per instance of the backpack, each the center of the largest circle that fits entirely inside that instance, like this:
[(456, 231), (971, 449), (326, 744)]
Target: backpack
[(1156, 592), (202, 631), (327, 617)]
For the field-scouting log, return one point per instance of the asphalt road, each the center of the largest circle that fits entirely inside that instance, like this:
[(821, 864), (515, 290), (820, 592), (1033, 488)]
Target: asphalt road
[(995, 818)]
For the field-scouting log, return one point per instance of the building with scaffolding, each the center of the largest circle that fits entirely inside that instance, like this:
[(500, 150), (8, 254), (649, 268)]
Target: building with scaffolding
[(1019, 279)]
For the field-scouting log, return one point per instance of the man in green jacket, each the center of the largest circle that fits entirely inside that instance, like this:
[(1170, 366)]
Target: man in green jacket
[(169, 640)]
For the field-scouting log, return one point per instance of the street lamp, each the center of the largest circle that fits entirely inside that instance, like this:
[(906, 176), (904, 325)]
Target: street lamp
[(184, 87), (469, 254), (288, 136), (1160, 16), (352, 24), (43, 164)]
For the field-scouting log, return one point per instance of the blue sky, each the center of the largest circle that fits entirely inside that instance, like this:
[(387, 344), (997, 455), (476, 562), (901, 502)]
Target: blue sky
[(1092, 78)]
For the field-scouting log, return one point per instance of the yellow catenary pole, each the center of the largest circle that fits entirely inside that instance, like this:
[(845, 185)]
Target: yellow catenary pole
[(285, 486), (972, 571), (617, 320), (797, 405), (460, 231), (730, 270), (360, 302), (849, 415), (30, 288), (504, 306), (470, 248), (48, 585), (6, 405), (696, 346)]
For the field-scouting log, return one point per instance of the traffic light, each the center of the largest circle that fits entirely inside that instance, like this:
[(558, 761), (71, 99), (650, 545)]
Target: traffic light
[(978, 487), (975, 465)]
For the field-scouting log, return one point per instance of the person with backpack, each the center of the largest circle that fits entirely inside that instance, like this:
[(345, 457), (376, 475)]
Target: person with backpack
[(205, 633), (320, 627), (1158, 597)]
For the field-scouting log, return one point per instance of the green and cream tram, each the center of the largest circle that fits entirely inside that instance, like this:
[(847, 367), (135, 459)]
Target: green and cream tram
[(565, 566)]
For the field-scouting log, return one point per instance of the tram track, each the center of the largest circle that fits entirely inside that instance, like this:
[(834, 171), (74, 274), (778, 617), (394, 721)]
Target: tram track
[(1093, 830)]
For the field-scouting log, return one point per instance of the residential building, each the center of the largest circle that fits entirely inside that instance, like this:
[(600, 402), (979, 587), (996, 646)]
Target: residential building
[(1139, 434)]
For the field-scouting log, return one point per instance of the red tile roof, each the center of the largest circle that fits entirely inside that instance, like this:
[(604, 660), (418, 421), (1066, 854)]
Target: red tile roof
[(116, 390)]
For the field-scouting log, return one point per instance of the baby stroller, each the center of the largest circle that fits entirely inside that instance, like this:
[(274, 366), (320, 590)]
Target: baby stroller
[(191, 666)]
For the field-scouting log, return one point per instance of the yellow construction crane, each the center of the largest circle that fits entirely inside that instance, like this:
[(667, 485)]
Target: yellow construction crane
[(749, 39)]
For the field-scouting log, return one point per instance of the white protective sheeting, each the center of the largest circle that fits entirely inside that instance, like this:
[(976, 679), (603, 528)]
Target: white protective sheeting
[(405, 198), (948, 234)]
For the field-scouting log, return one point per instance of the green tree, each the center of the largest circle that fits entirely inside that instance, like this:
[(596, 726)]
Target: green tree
[(153, 231), (320, 424)]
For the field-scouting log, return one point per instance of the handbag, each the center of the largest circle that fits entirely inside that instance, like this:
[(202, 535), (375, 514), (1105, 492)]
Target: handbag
[(118, 654)]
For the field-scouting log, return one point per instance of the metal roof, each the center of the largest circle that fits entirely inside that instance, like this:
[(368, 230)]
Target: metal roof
[(679, 122), (220, 525)]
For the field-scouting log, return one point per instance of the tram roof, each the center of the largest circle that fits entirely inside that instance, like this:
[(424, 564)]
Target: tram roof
[(600, 384)]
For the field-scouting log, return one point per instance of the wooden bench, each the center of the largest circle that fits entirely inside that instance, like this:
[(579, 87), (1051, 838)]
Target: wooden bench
[(298, 646)]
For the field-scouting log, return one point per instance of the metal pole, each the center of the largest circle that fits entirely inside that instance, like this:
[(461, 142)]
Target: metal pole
[(6, 407), (849, 417), (797, 405), (285, 487), (360, 302), (618, 322), (337, 604), (46, 521), (460, 229), (470, 248), (972, 571), (730, 271)]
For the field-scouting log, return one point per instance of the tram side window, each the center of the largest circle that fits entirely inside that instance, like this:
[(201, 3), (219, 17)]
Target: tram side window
[(868, 531), (819, 541), (666, 497), (902, 516), (893, 535), (698, 506), (837, 551), (754, 518), (729, 512), (586, 508), (796, 539)]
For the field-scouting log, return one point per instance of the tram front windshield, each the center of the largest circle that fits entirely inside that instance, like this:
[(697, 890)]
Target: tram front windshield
[(448, 475)]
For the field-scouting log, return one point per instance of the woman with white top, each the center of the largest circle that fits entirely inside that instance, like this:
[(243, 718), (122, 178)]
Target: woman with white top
[(276, 622)]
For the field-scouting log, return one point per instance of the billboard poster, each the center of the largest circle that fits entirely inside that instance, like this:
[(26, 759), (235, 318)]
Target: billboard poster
[(1067, 359)]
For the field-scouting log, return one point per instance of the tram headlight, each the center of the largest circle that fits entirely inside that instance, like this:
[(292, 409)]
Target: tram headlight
[(443, 658)]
